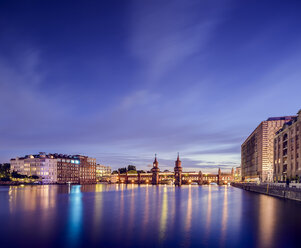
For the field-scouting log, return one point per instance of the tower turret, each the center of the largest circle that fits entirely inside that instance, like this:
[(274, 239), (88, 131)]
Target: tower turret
[(219, 176), (178, 171), (155, 170)]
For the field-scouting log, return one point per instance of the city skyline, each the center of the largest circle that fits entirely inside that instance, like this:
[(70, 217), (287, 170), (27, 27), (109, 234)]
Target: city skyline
[(121, 82)]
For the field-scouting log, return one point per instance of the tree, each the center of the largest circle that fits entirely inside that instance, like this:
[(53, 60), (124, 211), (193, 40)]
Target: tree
[(131, 168), (115, 172), (15, 174), (5, 179), (34, 177), (132, 172), (122, 170), (5, 170)]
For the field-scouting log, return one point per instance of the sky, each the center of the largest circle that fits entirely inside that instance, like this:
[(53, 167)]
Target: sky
[(123, 80)]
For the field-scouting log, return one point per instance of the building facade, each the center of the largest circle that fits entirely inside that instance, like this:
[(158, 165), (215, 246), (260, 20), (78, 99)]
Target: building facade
[(67, 168), (237, 174), (87, 170), (41, 165), (57, 168), (287, 151), (257, 151), (103, 172)]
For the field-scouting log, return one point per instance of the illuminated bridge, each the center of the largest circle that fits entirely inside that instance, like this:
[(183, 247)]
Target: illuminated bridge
[(178, 177)]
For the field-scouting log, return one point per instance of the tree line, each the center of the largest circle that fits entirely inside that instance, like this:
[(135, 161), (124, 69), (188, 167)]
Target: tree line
[(6, 175), (131, 169)]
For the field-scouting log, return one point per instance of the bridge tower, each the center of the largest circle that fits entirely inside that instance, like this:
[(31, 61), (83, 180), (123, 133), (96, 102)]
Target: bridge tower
[(155, 170), (219, 176), (178, 171), (200, 178)]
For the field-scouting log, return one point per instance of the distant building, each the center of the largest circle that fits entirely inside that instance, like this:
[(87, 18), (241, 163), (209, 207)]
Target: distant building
[(287, 151), (57, 168), (87, 170), (237, 174), (114, 178), (257, 150), (41, 165), (67, 168), (103, 172)]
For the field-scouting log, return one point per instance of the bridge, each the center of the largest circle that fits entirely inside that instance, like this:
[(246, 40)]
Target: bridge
[(178, 177)]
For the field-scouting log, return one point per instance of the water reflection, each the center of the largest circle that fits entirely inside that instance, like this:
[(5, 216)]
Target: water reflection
[(75, 216), (266, 220), (131, 220), (145, 216), (146, 212), (164, 212), (120, 199), (32, 198), (224, 216), (98, 209), (188, 218), (209, 210)]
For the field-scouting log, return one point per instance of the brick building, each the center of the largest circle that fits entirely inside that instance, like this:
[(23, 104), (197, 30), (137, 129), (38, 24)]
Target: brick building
[(57, 168), (287, 151), (257, 151)]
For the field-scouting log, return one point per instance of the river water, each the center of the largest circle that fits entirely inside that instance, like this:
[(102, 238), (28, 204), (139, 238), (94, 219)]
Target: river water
[(145, 216)]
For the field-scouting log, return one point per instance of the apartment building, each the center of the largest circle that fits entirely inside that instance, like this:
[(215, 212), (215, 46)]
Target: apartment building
[(287, 151), (41, 165), (103, 172), (57, 168), (87, 170), (257, 151)]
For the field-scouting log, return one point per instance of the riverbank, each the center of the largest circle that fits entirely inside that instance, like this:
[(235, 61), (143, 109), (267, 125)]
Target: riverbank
[(272, 190)]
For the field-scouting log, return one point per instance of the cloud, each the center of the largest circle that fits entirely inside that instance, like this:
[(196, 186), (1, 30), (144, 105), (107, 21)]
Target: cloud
[(164, 34)]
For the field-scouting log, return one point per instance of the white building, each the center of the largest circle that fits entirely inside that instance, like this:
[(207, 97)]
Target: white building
[(102, 172), (42, 165)]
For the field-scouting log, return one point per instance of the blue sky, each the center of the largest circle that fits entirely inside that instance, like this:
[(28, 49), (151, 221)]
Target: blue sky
[(122, 80)]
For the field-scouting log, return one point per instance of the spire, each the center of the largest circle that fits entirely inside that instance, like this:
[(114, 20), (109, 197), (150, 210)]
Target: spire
[(178, 161), (155, 163)]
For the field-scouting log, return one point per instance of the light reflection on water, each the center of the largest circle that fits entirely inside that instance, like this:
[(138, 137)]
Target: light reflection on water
[(164, 212), (225, 215), (75, 216), (145, 216), (266, 220)]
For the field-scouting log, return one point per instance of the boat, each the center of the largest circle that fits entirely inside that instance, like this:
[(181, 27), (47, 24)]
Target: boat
[(213, 183)]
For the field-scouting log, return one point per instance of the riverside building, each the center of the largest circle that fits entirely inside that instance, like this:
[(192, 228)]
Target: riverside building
[(103, 172), (287, 151), (257, 151), (75, 169), (68, 168), (57, 168), (41, 165), (87, 170)]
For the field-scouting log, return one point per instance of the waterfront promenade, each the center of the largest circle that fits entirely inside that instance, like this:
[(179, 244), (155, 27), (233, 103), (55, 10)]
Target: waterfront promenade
[(278, 190)]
